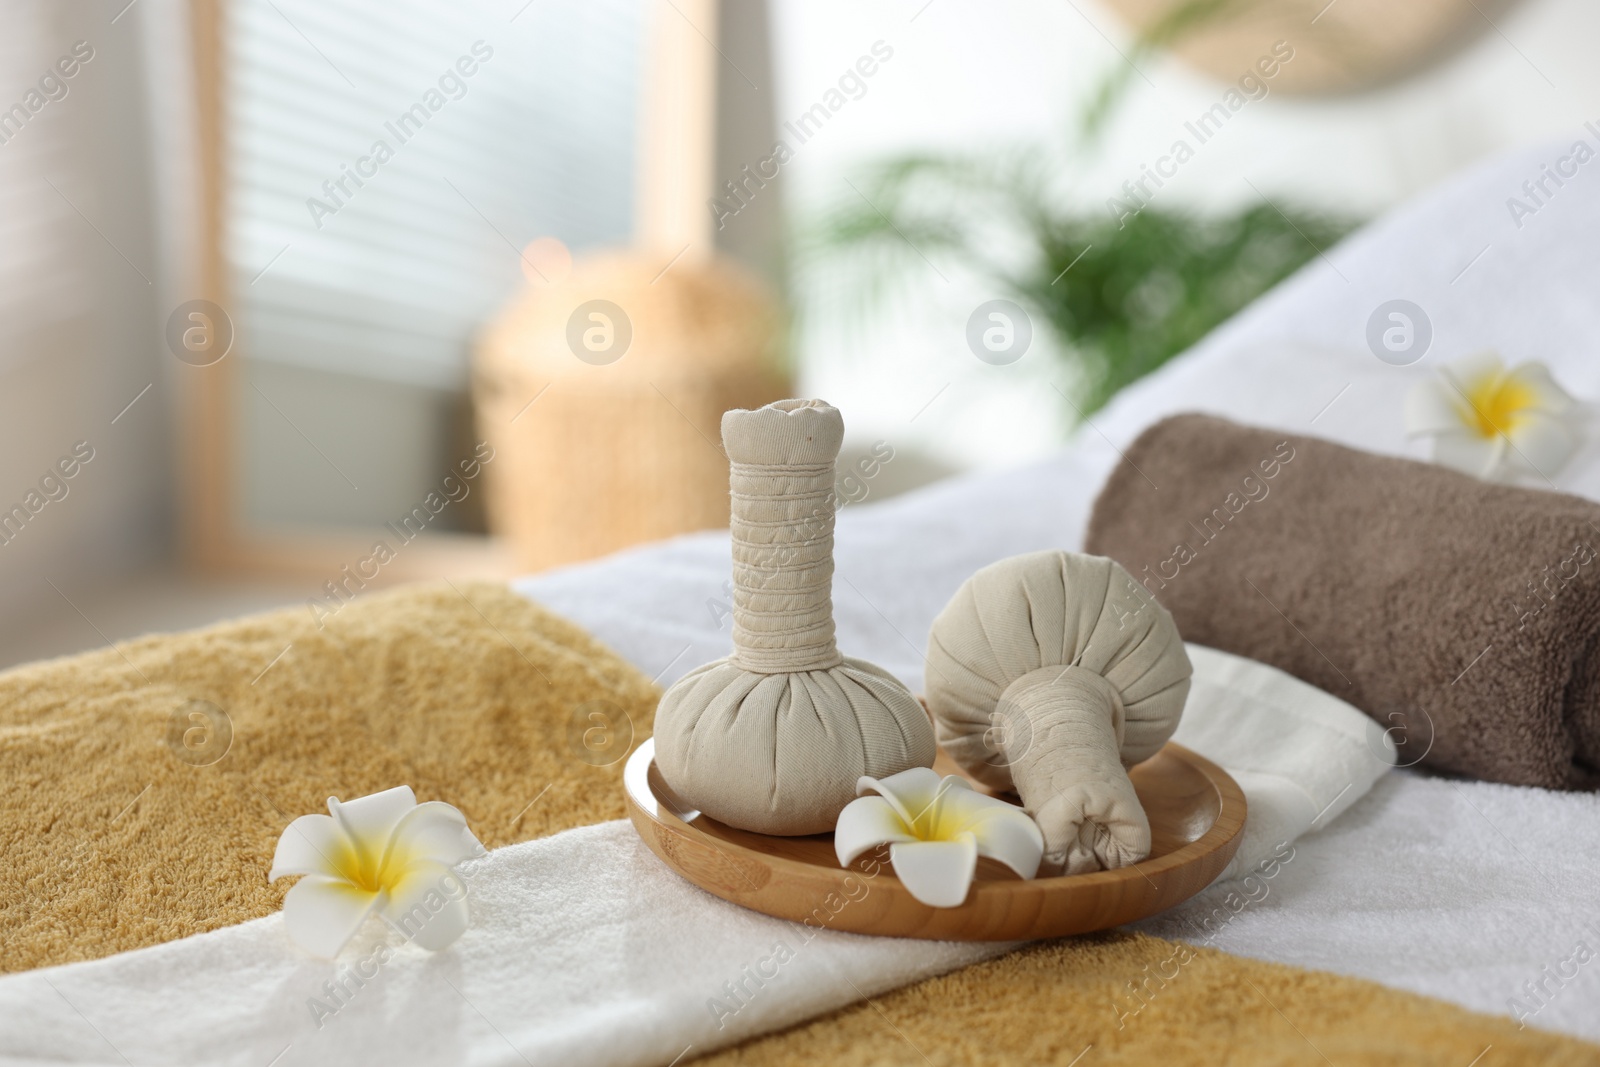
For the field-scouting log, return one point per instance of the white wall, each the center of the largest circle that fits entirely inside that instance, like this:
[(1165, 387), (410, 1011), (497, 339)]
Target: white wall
[(970, 78)]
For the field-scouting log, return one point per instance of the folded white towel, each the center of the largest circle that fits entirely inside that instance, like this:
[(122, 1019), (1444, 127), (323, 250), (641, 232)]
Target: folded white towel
[(1302, 756), (585, 949)]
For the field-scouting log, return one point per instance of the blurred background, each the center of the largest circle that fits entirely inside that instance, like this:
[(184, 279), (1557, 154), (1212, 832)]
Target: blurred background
[(313, 297)]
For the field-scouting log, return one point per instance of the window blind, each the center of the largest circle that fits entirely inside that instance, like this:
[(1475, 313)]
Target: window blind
[(42, 281), (387, 163)]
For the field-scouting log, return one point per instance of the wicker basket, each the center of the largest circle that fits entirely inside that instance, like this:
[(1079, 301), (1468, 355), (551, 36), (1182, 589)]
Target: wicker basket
[(619, 449)]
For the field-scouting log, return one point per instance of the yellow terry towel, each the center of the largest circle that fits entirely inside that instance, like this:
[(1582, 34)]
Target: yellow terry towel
[(1103, 998)]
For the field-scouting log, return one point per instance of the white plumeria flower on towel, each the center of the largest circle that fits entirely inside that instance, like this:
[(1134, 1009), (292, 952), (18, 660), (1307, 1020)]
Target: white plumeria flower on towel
[(936, 828), (1491, 421), (383, 853)]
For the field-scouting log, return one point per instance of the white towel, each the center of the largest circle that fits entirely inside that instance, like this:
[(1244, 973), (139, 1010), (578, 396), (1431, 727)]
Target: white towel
[(1300, 759), (585, 949)]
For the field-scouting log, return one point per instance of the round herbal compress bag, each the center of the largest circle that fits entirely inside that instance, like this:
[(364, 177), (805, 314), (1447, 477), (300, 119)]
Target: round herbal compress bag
[(1050, 674), (774, 737)]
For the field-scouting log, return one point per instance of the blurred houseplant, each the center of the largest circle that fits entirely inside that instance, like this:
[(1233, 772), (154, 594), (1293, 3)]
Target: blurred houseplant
[(1124, 291)]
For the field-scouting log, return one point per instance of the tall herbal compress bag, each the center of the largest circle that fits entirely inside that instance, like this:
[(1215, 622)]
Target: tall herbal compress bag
[(774, 737)]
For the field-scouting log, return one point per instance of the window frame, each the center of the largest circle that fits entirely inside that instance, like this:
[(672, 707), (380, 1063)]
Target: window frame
[(678, 67)]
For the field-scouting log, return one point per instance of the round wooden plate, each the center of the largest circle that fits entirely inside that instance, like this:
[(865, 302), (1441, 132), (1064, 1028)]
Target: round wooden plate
[(1196, 812)]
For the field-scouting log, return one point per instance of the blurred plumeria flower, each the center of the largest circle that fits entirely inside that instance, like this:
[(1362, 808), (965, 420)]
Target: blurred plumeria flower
[(382, 853), (1493, 422), (936, 829)]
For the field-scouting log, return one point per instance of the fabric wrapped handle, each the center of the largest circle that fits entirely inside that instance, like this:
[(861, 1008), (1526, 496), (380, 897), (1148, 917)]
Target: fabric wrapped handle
[(781, 472), (1066, 747)]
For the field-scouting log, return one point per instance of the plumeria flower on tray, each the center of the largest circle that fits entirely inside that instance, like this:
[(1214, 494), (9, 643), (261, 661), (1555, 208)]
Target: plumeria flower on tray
[(1496, 422), (936, 828), (382, 853)]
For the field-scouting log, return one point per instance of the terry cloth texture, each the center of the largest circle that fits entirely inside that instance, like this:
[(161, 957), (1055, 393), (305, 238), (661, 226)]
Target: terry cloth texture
[(620, 963), (426, 686), (143, 788), (1461, 616), (587, 951), (1134, 999)]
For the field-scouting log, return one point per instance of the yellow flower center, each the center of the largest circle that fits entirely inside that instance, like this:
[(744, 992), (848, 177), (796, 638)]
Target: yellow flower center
[(1497, 401), (936, 822), (357, 866), (368, 869)]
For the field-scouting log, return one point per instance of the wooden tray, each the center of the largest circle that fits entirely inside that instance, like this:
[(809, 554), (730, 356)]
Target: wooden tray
[(1196, 812)]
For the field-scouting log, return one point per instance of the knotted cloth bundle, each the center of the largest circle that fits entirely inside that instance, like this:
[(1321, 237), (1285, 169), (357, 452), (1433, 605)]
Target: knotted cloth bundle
[(1463, 617), (1051, 673), (774, 737)]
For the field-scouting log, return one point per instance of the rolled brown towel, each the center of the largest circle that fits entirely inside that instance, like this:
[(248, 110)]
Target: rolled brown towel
[(1462, 615)]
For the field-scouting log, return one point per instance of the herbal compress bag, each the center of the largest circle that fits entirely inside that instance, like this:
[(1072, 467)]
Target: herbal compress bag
[(1051, 674), (774, 737)]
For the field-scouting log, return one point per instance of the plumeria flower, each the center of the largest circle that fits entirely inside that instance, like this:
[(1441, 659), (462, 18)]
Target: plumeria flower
[(1492, 422), (382, 853), (936, 828)]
